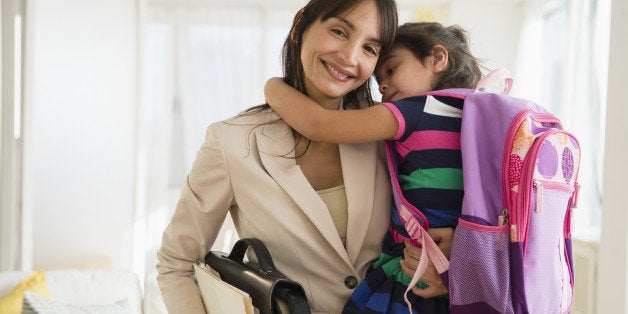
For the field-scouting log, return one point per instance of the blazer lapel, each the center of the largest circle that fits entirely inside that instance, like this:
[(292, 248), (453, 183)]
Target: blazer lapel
[(359, 164), (274, 142)]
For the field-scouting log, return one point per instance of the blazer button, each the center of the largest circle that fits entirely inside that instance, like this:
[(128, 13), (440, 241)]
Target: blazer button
[(351, 282)]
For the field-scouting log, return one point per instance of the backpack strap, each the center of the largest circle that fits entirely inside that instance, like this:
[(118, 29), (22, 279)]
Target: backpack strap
[(414, 222), (496, 75)]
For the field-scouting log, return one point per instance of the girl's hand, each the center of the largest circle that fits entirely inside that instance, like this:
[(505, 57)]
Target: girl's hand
[(444, 238), (430, 277)]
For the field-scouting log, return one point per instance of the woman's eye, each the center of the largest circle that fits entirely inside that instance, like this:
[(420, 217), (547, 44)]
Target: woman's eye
[(390, 70), (371, 50)]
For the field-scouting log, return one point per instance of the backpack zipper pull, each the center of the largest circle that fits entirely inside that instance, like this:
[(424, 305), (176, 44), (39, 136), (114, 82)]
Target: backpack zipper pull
[(539, 195), (502, 220), (576, 193)]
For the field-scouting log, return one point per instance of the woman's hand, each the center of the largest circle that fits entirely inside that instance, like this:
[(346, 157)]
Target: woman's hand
[(443, 237)]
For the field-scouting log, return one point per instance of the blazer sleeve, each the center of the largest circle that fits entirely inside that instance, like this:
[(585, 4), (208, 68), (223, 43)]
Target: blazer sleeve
[(202, 207)]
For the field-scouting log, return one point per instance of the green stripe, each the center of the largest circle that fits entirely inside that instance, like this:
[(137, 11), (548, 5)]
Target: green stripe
[(393, 268), (383, 259), (435, 178)]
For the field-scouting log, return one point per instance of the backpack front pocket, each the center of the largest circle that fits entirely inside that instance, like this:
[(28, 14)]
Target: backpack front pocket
[(547, 269)]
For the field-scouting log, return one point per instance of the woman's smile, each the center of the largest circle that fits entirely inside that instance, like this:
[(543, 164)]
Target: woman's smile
[(339, 54), (339, 73)]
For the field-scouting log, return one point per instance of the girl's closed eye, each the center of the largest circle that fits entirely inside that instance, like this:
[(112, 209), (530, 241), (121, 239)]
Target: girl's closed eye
[(339, 32)]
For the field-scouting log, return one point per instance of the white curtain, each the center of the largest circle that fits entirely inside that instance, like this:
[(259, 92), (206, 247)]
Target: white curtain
[(200, 64), (562, 65)]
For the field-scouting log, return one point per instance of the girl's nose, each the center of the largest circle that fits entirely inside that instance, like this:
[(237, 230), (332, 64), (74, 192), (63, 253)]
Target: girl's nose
[(382, 87)]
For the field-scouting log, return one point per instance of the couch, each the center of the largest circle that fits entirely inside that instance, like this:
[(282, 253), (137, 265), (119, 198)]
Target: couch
[(95, 287)]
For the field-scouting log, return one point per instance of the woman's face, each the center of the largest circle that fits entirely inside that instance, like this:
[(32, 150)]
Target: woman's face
[(339, 54)]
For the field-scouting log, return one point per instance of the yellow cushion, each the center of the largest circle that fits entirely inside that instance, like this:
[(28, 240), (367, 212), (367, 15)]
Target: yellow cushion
[(12, 302)]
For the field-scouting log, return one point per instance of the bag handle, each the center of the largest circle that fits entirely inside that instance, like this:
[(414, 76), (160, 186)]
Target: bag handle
[(264, 259), (494, 76)]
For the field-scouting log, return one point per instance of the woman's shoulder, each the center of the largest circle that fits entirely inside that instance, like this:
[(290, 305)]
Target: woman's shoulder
[(252, 117), (240, 133), (253, 120)]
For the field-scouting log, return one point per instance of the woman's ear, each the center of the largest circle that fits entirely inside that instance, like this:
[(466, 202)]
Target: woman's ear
[(440, 58)]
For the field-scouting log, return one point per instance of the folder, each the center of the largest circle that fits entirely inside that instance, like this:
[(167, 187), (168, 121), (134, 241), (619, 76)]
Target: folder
[(218, 296)]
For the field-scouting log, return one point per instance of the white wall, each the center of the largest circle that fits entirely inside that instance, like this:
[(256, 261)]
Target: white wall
[(613, 253), (83, 108), (493, 25)]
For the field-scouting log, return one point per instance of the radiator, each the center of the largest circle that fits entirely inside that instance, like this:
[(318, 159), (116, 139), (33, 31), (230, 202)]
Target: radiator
[(585, 269)]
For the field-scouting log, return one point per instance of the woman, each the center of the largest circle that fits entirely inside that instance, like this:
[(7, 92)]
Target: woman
[(320, 208)]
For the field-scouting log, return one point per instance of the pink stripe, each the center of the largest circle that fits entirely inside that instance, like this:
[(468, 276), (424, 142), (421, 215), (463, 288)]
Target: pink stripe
[(422, 140), (484, 228), (400, 119)]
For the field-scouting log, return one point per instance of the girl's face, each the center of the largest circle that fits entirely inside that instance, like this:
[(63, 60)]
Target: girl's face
[(401, 75), (340, 54)]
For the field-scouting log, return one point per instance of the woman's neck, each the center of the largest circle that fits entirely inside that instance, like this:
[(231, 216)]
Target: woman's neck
[(326, 102)]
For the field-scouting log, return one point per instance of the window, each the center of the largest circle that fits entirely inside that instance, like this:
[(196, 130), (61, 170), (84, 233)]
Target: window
[(197, 69), (14, 241), (563, 66)]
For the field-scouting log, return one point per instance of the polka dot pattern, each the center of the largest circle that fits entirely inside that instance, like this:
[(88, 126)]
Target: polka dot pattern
[(547, 164), (568, 165), (514, 170)]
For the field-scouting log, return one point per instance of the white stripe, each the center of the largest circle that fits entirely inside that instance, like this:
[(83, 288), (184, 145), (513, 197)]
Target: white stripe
[(439, 108)]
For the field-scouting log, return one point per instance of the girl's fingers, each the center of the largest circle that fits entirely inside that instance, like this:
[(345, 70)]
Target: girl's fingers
[(429, 292), (430, 277)]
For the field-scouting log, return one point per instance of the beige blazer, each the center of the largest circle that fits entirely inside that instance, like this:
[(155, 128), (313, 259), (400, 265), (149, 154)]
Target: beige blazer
[(240, 170)]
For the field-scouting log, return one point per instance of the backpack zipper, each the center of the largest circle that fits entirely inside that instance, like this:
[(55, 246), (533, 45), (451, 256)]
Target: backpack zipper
[(541, 185), (525, 191), (508, 198)]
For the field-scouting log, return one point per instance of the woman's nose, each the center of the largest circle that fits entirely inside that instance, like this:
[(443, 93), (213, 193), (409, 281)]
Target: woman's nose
[(349, 53)]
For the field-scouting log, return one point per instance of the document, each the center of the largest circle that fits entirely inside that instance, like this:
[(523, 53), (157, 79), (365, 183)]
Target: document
[(218, 296)]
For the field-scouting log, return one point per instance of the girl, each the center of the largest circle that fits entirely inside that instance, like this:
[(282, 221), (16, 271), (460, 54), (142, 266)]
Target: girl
[(425, 131), (306, 200)]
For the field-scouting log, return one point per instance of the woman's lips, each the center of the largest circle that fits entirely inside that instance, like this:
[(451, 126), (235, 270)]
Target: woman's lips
[(338, 73)]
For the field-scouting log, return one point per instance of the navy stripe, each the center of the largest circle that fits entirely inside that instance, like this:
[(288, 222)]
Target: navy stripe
[(431, 158), (435, 198), (454, 102), (416, 119), (441, 218), (438, 123)]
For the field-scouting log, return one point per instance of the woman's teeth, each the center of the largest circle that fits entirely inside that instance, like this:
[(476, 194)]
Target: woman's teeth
[(334, 70)]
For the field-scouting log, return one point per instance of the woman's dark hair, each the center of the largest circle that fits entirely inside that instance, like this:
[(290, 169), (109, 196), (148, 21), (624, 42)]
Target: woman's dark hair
[(463, 69), (323, 10)]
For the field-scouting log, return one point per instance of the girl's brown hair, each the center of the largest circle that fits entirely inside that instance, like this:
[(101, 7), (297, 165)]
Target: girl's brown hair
[(463, 70)]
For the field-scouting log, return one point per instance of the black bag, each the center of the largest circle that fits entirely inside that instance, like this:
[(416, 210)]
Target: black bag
[(262, 281)]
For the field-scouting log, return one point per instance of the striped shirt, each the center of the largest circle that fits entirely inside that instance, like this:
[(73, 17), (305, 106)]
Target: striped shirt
[(430, 161)]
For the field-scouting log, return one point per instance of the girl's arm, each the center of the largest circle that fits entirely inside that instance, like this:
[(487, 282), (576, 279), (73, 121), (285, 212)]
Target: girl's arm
[(334, 126)]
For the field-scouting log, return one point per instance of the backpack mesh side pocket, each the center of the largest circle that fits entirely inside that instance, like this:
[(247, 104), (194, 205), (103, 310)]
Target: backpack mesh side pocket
[(479, 274)]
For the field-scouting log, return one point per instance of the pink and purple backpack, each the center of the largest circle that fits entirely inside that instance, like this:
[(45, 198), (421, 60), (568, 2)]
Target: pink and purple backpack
[(511, 251)]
